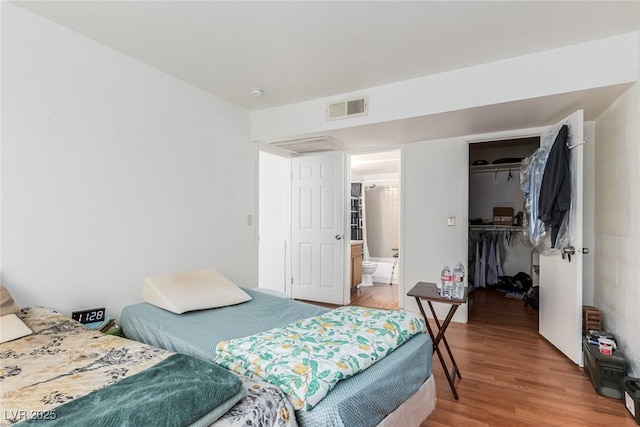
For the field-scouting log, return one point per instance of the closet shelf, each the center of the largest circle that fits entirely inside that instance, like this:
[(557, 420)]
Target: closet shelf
[(496, 227), (495, 167)]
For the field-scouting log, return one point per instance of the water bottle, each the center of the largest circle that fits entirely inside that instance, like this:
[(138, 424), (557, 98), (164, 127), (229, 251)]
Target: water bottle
[(446, 282), (458, 281)]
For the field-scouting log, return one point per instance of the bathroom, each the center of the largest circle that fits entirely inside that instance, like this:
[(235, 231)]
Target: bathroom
[(375, 228)]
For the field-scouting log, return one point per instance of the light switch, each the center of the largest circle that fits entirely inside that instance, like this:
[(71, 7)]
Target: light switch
[(249, 219), (451, 221)]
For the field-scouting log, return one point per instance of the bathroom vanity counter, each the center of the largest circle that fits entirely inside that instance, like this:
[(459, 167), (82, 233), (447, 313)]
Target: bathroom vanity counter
[(356, 263)]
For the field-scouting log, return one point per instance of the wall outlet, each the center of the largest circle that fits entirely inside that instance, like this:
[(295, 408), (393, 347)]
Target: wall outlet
[(451, 221)]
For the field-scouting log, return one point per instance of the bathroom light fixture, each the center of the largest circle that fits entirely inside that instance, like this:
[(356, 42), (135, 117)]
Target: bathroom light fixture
[(256, 92)]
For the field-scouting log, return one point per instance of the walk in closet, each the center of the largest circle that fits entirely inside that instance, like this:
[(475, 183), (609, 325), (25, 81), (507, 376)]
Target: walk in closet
[(496, 203)]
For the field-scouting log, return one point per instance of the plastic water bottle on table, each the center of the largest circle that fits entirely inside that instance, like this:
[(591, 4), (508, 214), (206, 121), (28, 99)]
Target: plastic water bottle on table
[(458, 281), (446, 282)]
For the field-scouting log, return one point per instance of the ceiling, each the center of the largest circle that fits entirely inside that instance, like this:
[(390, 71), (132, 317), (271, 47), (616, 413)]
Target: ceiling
[(297, 51)]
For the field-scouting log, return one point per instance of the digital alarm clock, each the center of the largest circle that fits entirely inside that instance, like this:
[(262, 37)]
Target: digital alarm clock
[(89, 316)]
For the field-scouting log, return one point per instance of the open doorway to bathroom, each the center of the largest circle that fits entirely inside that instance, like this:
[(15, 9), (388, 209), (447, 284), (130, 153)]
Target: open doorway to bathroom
[(375, 229)]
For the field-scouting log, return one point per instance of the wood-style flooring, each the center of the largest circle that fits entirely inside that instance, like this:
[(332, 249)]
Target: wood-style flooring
[(380, 295), (511, 376)]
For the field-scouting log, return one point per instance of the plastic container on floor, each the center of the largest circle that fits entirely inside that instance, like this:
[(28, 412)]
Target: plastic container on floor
[(606, 372), (631, 388)]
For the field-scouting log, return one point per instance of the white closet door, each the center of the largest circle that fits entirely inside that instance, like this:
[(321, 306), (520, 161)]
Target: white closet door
[(560, 316)]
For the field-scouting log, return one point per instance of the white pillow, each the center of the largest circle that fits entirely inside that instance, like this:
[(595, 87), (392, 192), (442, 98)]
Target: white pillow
[(194, 290), (11, 328)]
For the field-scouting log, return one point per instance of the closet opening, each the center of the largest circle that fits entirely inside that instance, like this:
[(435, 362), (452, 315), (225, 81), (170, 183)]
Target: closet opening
[(502, 266)]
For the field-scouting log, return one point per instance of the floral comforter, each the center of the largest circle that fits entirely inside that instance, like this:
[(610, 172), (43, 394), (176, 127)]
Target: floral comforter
[(63, 360), (308, 357)]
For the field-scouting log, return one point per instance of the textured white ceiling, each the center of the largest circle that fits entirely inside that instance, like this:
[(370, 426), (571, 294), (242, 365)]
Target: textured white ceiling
[(303, 50)]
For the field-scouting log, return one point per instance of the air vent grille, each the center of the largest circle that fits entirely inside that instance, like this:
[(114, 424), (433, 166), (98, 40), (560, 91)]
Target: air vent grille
[(317, 144), (348, 108)]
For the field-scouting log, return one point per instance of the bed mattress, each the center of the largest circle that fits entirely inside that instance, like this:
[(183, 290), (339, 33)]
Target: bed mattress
[(70, 375), (362, 400)]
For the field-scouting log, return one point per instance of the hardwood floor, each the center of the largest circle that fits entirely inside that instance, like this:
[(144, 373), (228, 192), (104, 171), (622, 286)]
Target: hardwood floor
[(380, 295), (511, 376)]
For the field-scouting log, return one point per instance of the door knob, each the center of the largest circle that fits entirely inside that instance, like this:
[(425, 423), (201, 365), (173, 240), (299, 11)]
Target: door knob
[(567, 252), (338, 236)]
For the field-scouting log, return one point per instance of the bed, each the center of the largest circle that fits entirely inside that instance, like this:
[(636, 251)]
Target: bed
[(397, 390), (66, 374)]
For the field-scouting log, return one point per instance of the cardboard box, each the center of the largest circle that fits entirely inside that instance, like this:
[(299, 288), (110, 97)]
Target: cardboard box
[(502, 216)]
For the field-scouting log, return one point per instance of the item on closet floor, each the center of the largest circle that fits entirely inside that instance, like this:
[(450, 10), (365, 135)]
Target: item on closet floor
[(631, 388), (606, 372), (520, 283), (514, 295), (532, 298), (591, 319), (479, 163)]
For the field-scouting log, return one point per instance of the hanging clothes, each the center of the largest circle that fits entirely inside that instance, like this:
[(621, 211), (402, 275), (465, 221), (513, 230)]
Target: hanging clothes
[(477, 265), (531, 174), (483, 262), (492, 264), (499, 259), (555, 189)]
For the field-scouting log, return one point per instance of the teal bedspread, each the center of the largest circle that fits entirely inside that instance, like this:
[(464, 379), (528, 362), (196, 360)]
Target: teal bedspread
[(168, 393), (362, 400)]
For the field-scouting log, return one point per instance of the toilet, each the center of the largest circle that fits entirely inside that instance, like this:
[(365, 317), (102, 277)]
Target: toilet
[(368, 268)]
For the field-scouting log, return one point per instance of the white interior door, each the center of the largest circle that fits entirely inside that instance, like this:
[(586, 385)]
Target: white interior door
[(318, 227), (560, 279)]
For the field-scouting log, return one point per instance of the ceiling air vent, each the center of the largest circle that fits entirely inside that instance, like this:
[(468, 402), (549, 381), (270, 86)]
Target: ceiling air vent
[(316, 144), (349, 108)]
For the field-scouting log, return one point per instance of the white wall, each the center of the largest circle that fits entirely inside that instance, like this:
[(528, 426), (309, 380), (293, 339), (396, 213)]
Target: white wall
[(589, 65), (435, 186), (274, 223), (112, 170), (588, 212), (617, 222)]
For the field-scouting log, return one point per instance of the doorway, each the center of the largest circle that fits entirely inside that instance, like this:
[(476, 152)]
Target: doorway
[(375, 229), (502, 266)]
